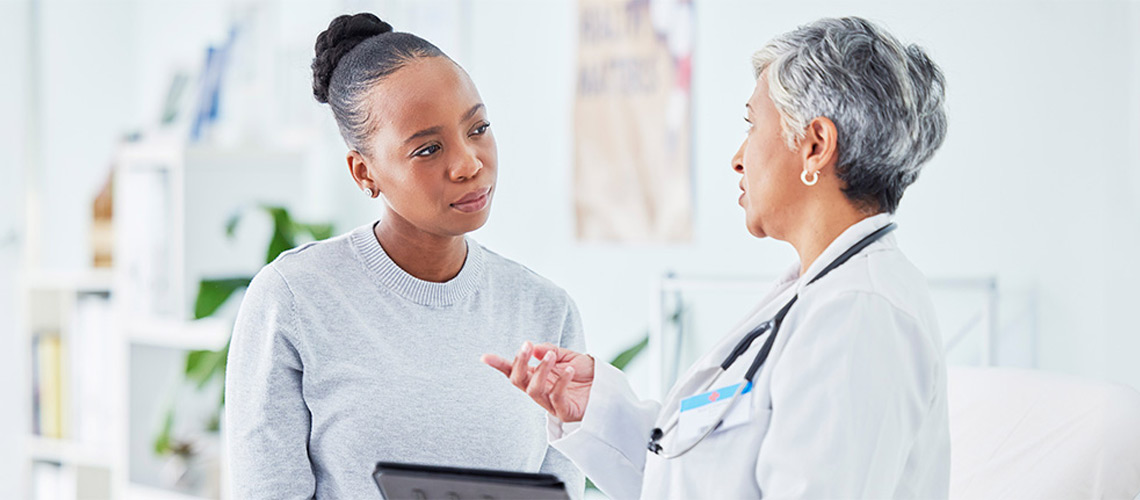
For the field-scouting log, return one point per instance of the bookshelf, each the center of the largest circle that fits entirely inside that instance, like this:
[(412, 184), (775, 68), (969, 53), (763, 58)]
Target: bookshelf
[(64, 451), (69, 335), (106, 347)]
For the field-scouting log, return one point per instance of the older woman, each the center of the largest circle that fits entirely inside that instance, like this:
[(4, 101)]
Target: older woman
[(834, 386)]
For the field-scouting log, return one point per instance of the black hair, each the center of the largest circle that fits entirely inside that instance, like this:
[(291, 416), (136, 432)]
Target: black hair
[(352, 55)]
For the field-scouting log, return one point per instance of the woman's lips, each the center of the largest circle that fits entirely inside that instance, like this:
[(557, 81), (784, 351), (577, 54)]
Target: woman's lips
[(473, 201)]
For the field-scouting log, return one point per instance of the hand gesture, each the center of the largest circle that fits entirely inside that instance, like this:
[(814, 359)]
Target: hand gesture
[(560, 383)]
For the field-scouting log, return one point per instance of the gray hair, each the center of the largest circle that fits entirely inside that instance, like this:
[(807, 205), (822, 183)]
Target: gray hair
[(885, 99)]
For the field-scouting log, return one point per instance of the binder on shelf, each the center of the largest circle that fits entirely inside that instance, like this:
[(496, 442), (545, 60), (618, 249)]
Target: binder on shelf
[(49, 386), (90, 344)]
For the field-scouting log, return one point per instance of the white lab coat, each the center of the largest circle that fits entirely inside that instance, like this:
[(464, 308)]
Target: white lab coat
[(851, 402)]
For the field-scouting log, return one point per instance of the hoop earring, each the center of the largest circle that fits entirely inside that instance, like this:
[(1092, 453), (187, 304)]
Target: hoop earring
[(814, 178), (368, 192)]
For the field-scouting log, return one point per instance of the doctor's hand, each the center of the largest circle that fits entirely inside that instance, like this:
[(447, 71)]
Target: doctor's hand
[(560, 383)]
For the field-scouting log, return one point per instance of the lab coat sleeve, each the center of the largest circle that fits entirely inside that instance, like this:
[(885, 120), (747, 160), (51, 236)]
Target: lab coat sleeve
[(609, 444), (555, 462), (267, 420), (856, 380)]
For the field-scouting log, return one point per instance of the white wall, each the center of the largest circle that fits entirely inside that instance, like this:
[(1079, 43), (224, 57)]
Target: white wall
[(87, 95), (13, 155)]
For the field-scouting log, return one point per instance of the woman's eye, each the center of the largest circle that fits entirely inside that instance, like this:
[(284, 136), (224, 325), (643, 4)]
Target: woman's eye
[(428, 151), (481, 129)]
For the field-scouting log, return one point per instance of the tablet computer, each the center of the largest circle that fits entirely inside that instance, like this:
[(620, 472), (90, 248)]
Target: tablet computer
[(428, 482)]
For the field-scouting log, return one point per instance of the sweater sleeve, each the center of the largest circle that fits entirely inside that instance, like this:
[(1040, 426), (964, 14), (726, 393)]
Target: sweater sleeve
[(555, 462), (267, 420)]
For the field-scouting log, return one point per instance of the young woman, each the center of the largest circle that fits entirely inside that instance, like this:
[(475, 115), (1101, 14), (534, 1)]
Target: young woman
[(365, 347)]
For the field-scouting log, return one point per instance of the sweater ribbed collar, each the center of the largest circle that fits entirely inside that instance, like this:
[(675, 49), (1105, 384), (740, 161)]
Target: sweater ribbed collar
[(426, 293)]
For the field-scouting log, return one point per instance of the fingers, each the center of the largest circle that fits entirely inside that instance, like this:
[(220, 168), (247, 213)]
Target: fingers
[(558, 401), (539, 386), (540, 351), (520, 372), (497, 363), (547, 383)]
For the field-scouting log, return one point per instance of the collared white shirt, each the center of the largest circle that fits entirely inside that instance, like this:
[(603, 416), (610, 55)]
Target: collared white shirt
[(851, 402)]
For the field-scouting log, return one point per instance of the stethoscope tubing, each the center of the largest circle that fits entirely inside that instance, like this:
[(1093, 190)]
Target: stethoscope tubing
[(771, 326), (719, 420)]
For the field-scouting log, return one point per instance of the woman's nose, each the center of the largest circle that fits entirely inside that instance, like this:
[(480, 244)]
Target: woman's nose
[(466, 166), (738, 159)]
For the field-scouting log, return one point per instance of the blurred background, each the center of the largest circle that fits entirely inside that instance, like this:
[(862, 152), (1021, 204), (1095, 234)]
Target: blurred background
[(155, 153)]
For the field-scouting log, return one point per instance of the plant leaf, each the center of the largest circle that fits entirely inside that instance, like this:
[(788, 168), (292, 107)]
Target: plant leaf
[(590, 484), (318, 231), (225, 354), (194, 361), (623, 359), (283, 236), (232, 222), (213, 293), (162, 441), (208, 365)]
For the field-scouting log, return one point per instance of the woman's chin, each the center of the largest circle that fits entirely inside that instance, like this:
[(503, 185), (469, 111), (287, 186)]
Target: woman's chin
[(755, 229), (471, 222)]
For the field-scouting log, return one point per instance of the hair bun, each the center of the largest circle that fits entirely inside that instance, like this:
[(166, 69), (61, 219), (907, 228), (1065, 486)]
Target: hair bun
[(343, 33)]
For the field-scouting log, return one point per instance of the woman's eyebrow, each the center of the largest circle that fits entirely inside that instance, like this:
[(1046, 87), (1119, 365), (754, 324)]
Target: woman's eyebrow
[(437, 129), (471, 112), (424, 133)]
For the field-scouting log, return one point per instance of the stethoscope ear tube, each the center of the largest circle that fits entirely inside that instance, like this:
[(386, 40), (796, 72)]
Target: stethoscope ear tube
[(765, 349)]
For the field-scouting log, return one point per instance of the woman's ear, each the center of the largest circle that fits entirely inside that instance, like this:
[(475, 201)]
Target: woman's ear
[(820, 145), (358, 168)]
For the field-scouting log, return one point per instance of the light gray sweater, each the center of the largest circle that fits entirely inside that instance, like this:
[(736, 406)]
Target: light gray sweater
[(340, 359)]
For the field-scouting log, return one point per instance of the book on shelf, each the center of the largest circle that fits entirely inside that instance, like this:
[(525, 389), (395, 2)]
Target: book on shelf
[(37, 394), (91, 344), (147, 254), (71, 376), (49, 385), (53, 481)]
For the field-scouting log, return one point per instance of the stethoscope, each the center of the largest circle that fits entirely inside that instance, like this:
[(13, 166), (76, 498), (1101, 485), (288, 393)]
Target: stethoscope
[(742, 347)]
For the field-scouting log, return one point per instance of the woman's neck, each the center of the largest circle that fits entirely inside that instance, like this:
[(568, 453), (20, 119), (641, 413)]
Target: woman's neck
[(426, 256), (822, 226)]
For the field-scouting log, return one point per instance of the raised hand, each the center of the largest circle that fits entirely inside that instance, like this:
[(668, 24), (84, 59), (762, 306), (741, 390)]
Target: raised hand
[(560, 383)]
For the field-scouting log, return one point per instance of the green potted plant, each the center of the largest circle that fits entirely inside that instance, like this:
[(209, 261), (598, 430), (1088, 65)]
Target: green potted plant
[(205, 369)]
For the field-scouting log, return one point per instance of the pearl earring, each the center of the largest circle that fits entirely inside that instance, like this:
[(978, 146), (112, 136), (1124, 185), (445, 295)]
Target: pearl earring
[(368, 192)]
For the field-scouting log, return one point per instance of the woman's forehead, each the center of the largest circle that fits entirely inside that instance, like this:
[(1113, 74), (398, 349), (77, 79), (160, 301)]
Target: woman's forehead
[(760, 100), (426, 92)]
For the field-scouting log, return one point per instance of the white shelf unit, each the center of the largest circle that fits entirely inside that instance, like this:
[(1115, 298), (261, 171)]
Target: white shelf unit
[(171, 213), (74, 311), (172, 202), (64, 451), (197, 335)]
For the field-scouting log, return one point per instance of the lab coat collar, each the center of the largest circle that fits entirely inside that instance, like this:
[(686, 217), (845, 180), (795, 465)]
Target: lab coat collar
[(845, 240)]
